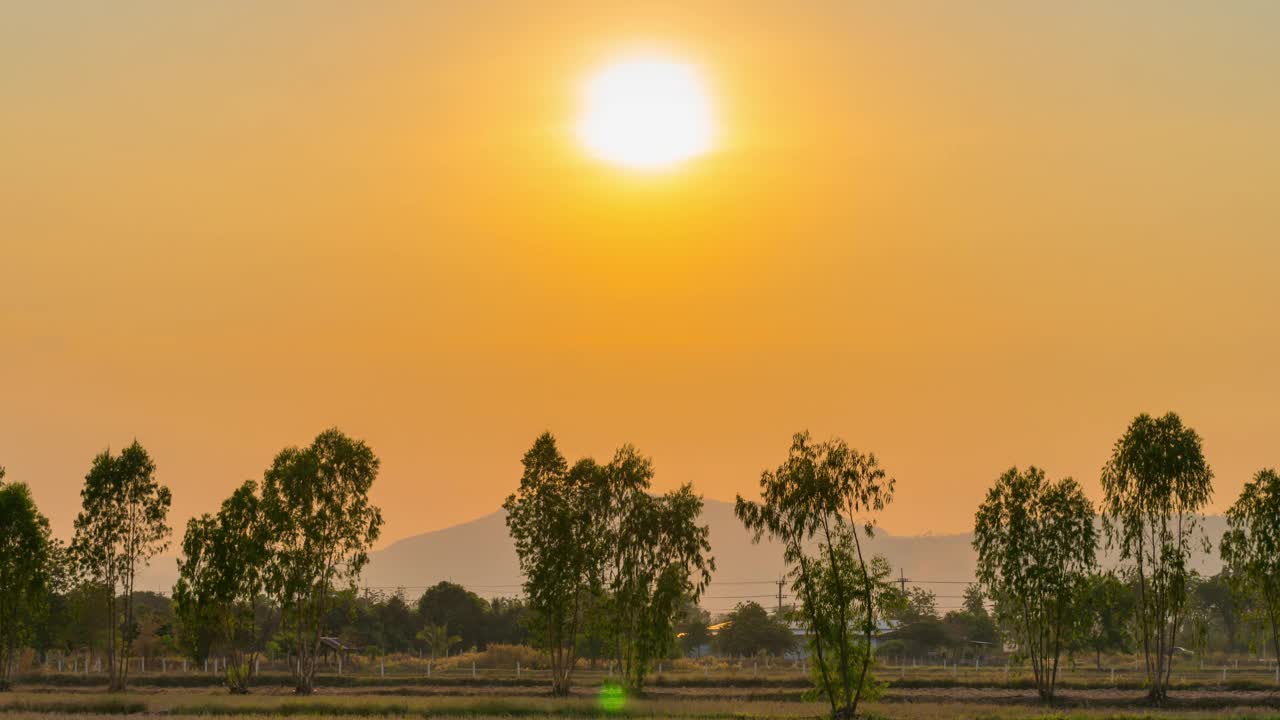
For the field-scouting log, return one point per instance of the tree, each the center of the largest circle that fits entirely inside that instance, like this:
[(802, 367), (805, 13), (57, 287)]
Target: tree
[(971, 627), (975, 600), (1155, 485), (397, 622), (120, 528), (507, 622), (1216, 594), (917, 604), (1251, 546), (1109, 604), (220, 579), (751, 630), (552, 518), (692, 628), (461, 610), (1036, 544), (657, 556), (828, 491), (28, 571), (437, 640), (1198, 618), (317, 514)]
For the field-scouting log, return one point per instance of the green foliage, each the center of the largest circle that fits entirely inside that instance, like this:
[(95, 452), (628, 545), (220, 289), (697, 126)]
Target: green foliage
[(826, 491), (657, 557), (1036, 544), (317, 515), (751, 630), (972, 626), (461, 610), (552, 519), (220, 580), (506, 622), (1251, 547), (28, 571), (1224, 606), (600, 553), (1109, 607), (437, 640), (1155, 486), (121, 527)]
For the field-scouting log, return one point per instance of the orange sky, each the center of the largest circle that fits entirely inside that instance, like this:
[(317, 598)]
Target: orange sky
[(961, 237)]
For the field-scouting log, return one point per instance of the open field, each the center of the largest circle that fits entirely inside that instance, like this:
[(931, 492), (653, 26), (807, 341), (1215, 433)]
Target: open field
[(938, 694), (371, 677)]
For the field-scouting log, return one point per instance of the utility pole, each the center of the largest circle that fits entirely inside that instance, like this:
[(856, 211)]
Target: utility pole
[(902, 579), (780, 582)]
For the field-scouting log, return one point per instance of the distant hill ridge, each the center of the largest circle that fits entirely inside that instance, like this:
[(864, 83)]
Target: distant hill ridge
[(479, 555)]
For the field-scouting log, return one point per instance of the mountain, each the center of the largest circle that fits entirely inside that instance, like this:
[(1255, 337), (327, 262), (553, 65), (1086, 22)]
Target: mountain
[(479, 555)]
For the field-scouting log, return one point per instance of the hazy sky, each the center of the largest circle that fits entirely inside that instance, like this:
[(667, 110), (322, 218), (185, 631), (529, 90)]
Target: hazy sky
[(961, 235)]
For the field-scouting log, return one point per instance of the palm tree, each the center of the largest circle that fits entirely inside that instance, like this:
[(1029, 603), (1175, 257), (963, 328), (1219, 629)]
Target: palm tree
[(437, 639)]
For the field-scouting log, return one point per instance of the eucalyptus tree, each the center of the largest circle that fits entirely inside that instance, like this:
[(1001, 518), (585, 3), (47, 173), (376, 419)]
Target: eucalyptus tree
[(220, 580), (1251, 546), (320, 525), (1155, 486), (657, 556), (28, 571), (121, 526), (553, 519), (1036, 545), (829, 492)]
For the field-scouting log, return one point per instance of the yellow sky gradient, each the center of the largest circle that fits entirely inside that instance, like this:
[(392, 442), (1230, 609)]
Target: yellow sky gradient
[(962, 236)]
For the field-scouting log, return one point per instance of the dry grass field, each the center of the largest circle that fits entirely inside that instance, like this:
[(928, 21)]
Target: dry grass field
[(920, 693)]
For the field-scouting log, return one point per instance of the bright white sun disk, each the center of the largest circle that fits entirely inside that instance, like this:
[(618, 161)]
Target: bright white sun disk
[(646, 114)]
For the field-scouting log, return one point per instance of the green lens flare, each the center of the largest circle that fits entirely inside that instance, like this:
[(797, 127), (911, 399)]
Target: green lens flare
[(612, 698)]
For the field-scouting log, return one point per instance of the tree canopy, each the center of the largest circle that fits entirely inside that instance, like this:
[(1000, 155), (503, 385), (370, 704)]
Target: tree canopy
[(221, 577), (121, 526), (1251, 546), (750, 630), (29, 570), (551, 518), (829, 492), (600, 554), (321, 525), (460, 610), (657, 556), (1155, 486), (1036, 544)]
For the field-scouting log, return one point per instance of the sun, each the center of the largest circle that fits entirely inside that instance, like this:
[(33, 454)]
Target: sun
[(646, 113)]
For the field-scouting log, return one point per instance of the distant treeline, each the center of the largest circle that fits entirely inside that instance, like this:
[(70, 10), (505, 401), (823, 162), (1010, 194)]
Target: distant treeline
[(615, 572)]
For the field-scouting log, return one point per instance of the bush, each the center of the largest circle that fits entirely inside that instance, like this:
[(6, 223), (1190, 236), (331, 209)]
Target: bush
[(496, 657)]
